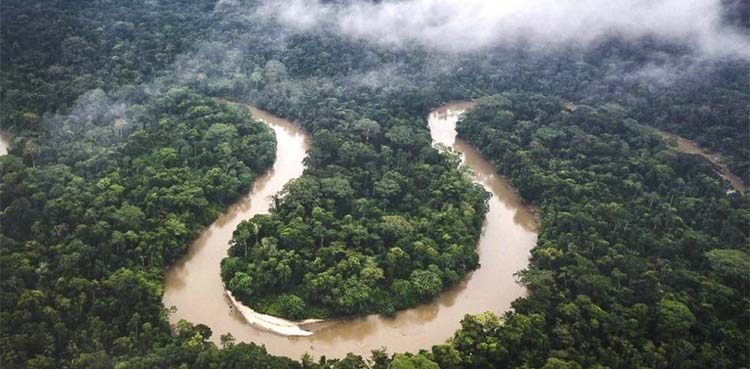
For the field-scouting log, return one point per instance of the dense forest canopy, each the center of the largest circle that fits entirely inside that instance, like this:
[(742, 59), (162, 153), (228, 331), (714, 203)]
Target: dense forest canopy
[(636, 244), (387, 221), (121, 153)]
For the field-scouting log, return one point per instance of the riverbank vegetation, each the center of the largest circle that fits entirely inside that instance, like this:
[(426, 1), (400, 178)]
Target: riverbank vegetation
[(119, 158), (641, 261), (379, 222), (96, 212)]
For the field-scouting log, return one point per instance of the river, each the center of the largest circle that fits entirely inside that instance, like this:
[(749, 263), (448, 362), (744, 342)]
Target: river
[(690, 147), (4, 143), (194, 287)]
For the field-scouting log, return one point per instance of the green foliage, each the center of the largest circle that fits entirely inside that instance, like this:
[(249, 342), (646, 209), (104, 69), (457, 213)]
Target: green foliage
[(401, 361), (426, 283), (674, 318), (97, 201), (54, 53), (85, 244), (640, 251), (291, 306), (731, 264), (378, 222)]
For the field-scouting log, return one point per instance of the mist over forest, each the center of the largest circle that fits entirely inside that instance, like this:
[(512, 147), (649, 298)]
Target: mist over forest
[(621, 130), (540, 25)]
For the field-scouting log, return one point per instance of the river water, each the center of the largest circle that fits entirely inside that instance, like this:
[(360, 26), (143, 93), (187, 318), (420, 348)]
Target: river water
[(4, 143), (690, 147), (194, 286)]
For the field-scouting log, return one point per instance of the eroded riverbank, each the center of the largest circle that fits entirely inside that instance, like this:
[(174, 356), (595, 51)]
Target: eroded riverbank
[(194, 286)]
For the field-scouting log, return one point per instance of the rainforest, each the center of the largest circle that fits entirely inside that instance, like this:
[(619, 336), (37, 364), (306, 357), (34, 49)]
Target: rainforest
[(351, 184)]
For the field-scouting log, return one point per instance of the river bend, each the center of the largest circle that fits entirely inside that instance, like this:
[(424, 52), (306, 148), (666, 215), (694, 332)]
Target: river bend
[(194, 287)]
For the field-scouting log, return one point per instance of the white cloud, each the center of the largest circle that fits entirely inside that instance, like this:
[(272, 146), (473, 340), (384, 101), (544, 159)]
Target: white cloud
[(467, 25)]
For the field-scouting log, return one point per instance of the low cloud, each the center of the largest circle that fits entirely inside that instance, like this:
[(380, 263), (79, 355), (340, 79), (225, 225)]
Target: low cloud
[(470, 25)]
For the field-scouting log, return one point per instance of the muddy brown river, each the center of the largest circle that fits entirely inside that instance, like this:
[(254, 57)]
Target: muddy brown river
[(193, 285), (4, 143)]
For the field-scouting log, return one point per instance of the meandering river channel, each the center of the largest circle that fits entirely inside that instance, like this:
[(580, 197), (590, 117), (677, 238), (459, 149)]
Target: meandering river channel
[(194, 287)]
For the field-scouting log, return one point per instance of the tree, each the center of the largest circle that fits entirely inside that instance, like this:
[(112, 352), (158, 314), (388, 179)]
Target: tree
[(408, 361), (426, 283), (367, 128), (241, 284), (397, 262), (555, 363), (291, 306), (219, 133), (387, 189), (674, 318), (731, 264), (355, 296)]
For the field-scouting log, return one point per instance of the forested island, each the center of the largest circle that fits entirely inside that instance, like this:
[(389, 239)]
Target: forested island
[(123, 147)]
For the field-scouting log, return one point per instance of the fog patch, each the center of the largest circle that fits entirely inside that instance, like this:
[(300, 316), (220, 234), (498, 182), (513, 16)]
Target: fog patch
[(470, 25)]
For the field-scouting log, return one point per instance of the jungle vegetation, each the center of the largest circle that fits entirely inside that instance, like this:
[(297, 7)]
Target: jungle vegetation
[(121, 153)]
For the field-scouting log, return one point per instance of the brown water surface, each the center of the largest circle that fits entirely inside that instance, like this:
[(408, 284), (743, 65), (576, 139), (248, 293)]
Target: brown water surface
[(4, 143), (194, 287)]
